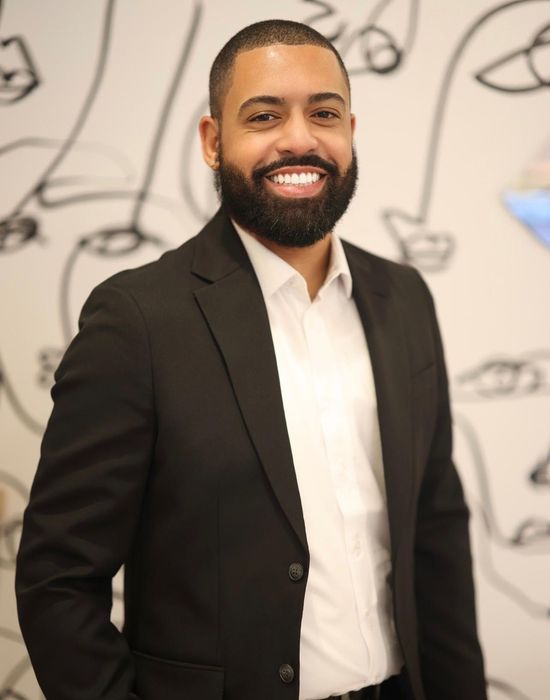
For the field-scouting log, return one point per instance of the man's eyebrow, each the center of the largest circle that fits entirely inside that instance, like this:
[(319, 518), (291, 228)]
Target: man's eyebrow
[(261, 99), (279, 101), (324, 96)]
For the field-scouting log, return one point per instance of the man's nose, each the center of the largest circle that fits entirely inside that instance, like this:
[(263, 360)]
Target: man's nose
[(297, 136)]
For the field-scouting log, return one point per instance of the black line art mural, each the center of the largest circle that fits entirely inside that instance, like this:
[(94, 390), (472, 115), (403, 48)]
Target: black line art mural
[(119, 240), (418, 242), (530, 536), (113, 175), (112, 241), (366, 39), (505, 377), (25, 228), (19, 74)]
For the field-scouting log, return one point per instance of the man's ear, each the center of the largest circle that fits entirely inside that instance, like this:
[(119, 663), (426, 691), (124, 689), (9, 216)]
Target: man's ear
[(210, 141), (353, 122)]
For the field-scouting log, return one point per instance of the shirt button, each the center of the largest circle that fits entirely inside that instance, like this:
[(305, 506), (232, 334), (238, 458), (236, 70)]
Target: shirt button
[(286, 673), (296, 571)]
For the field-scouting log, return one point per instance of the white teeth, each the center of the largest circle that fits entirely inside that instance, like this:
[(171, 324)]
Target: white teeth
[(295, 178)]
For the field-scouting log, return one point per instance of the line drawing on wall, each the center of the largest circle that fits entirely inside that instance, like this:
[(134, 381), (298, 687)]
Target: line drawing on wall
[(19, 228), (503, 377), (19, 75), (530, 536), (418, 242), (119, 240), (367, 44)]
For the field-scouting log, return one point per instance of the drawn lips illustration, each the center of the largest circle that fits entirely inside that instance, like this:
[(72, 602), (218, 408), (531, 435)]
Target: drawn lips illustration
[(18, 74), (428, 250)]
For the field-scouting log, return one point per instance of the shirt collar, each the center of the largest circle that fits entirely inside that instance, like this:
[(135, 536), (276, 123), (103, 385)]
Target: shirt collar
[(273, 272)]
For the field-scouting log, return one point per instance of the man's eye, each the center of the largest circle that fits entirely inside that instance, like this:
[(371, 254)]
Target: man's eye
[(325, 114), (264, 117)]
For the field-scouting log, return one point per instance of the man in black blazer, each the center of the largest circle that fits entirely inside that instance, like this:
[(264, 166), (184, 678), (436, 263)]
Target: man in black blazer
[(168, 448)]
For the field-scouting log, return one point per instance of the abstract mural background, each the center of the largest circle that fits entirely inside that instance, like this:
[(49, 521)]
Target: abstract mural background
[(100, 170)]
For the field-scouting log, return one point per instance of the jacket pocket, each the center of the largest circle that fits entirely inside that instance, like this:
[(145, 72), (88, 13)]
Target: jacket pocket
[(165, 679)]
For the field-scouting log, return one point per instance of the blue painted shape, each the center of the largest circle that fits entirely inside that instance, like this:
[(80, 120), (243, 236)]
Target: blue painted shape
[(532, 208)]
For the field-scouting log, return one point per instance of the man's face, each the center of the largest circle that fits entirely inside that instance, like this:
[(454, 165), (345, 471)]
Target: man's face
[(286, 166)]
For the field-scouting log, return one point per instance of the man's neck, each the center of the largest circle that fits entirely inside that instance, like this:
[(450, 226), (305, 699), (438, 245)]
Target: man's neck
[(312, 262)]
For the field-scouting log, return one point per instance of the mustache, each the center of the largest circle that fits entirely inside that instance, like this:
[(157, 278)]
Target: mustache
[(293, 161)]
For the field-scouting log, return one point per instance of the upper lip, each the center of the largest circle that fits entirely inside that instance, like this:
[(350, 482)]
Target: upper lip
[(289, 169)]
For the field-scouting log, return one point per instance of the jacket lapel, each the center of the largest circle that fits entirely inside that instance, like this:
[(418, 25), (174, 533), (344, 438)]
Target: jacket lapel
[(234, 309), (382, 318)]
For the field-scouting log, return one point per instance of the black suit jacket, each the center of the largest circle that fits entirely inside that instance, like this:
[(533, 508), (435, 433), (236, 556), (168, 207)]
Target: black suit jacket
[(167, 451)]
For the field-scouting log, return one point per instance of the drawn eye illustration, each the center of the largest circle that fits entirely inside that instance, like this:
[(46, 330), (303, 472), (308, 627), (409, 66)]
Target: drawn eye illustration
[(372, 49), (16, 232), (18, 74), (504, 378), (372, 41), (115, 242), (523, 70), (540, 475)]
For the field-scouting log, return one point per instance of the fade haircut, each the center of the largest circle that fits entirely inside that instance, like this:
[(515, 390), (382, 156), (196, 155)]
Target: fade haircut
[(255, 36)]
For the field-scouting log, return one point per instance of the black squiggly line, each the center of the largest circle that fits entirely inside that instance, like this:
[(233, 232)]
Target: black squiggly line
[(82, 115), (165, 113), (493, 529)]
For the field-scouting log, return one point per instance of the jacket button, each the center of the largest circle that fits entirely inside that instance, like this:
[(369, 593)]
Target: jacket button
[(286, 673), (296, 571)]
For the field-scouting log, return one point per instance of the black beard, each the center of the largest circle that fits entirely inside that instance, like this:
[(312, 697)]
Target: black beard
[(289, 222)]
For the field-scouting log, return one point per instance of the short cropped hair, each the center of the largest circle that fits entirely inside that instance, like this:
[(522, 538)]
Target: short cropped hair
[(255, 36)]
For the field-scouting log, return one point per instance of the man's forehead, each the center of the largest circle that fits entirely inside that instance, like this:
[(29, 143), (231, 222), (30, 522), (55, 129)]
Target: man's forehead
[(280, 69)]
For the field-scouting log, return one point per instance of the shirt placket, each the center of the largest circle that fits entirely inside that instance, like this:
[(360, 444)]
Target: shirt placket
[(338, 438)]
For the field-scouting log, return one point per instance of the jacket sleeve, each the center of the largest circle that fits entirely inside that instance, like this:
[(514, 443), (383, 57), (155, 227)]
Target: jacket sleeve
[(450, 656), (85, 503)]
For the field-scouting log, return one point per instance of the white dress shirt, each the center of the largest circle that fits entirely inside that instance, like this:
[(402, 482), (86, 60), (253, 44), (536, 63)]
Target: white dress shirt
[(348, 637)]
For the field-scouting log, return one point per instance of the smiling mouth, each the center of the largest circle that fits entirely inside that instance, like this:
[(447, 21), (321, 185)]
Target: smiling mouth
[(297, 182), (307, 178)]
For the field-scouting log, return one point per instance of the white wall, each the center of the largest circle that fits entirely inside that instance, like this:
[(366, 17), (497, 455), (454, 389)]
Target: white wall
[(438, 149)]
